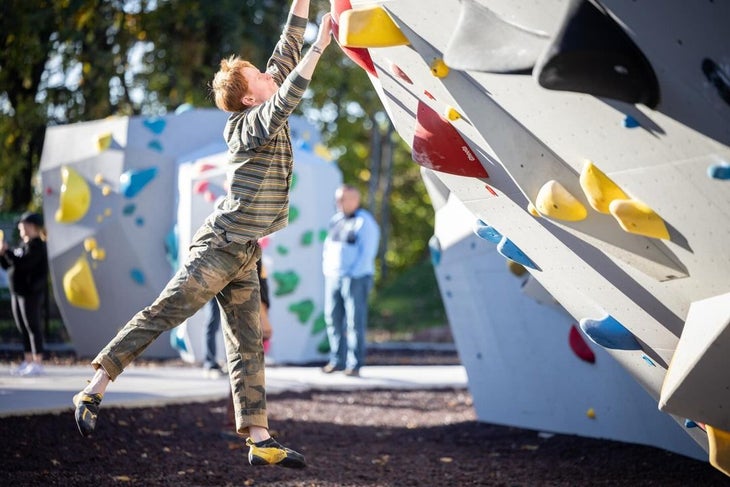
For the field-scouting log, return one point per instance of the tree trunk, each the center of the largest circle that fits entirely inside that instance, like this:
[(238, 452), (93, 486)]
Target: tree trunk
[(387, 183)]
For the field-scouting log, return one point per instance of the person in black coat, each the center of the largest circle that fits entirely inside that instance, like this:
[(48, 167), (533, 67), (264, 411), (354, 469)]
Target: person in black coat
[(27, 268)]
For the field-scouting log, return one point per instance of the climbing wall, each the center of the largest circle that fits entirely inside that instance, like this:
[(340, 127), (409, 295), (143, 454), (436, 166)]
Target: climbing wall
[(527, 361), (589, 141), (123, 197)]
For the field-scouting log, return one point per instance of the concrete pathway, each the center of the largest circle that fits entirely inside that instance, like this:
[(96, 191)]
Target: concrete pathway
[(158, 385)]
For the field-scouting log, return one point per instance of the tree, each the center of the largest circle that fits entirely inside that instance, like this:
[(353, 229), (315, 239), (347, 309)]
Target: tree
[(66, 61)]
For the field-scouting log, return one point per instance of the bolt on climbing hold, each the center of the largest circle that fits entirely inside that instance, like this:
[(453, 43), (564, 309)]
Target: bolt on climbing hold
[(439, 68)]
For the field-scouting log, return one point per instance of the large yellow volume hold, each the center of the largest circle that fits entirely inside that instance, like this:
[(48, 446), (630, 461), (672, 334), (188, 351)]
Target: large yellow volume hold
[(369, 27), (719, 443), (636, 217), (79, 286), (75, 197), (599, 189), (555, 201)]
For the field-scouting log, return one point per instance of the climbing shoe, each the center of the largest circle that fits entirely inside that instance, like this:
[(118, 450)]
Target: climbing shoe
[(270, 452), (87, 409)]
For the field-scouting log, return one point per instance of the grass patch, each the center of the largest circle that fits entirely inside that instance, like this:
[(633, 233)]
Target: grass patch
[(408, 304)]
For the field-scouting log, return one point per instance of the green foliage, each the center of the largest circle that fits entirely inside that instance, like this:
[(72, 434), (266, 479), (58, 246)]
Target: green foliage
[(65, 61), (409, 303)]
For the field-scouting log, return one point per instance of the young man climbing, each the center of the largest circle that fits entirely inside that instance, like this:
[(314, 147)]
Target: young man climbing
[(223, 253)]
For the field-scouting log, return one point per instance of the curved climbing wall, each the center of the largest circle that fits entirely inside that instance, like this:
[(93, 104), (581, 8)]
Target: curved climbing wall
[(124, 195), (602, 129)]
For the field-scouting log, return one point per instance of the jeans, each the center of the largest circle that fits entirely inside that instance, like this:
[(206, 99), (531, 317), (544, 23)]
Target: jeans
[(214, 267), (211, 329), (346, 315)]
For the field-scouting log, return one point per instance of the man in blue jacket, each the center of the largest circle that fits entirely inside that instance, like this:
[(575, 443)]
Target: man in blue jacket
[(348, 265)]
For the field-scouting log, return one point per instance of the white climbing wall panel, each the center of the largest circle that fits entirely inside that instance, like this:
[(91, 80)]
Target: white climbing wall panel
[(135, 191), (603, 128)]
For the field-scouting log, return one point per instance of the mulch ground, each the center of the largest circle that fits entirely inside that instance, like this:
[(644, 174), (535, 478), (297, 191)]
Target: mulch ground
[(362, 438)]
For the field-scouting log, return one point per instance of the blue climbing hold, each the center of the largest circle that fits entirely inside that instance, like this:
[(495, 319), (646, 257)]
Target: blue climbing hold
[(487, 232), (434, 246), (156, 146), (156, 125), (609, 333), (688, 423), (177, 339), (171, 247), (131, 182), (508, 249), (137, 276), (648, 361), (630, 122), (719, 171), (129, 209)]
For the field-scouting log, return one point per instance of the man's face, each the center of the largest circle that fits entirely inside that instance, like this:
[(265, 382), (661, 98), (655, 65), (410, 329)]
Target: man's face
[(261, 86), (347, 201)]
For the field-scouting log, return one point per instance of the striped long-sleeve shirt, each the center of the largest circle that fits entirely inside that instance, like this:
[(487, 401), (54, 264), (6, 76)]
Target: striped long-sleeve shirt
[(259, 145)]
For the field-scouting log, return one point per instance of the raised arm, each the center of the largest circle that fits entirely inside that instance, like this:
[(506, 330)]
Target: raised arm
[(306, 66), (300, 8)]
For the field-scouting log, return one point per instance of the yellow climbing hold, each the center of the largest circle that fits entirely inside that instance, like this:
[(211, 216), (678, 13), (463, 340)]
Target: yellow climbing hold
[(323, 152), (598, 188), (106, 190), (89, 244), (555, 201), (75, 196), (591, 413), (515, 268), (98, 179), (636, 217), (533, 211), (79, 287), (104, 141), (451, 113), (719, 443), (98, 254), (439, 68), (2, 235), (369, 27)]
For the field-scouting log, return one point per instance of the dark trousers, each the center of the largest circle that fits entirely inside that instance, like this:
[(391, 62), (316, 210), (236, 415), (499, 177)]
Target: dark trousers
[(27, 315)]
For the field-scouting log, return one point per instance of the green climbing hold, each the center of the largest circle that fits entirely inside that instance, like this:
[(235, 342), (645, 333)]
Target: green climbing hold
[(303, 310), (281, 250), (319, 325), (307, 238), (293, 214), (323, 235), (286, 282)]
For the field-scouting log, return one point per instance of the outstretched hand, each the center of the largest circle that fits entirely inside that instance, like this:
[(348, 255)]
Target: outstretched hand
[(324, 36)]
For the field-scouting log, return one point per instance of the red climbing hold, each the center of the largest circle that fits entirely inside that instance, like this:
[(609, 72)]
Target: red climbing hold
[(579, 346), (359, 55), (438, 145)]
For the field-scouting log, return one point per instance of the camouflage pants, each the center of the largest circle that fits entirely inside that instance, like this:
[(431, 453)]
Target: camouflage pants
[(214, 267)]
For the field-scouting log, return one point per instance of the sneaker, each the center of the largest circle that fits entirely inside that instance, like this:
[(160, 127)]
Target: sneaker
[(17, 370), (87, 410), (352, 372), (213, 373), (270, 452), (33, 369), (330, 368)]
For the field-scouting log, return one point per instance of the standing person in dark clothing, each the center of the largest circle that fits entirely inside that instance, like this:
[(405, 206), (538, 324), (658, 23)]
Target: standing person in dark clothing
[(27, 267), (224, 251)]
